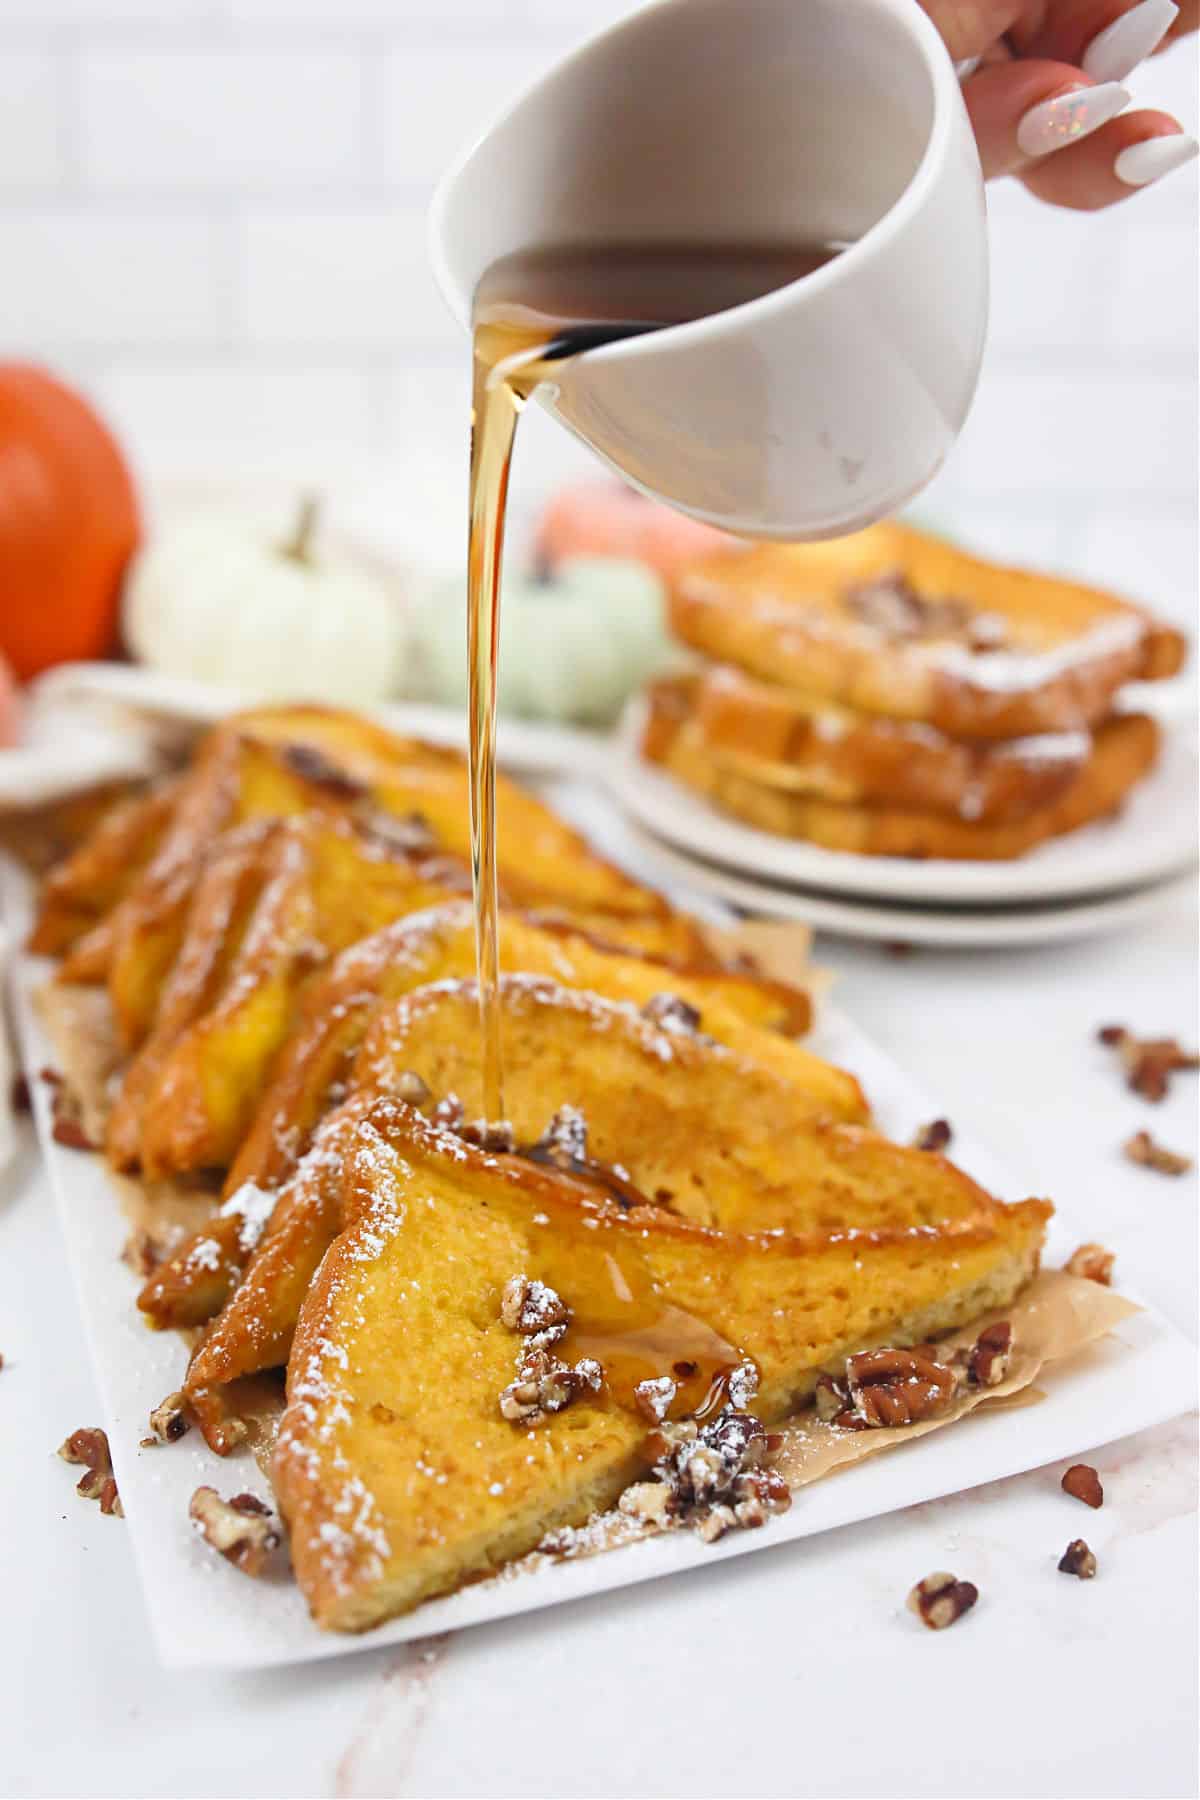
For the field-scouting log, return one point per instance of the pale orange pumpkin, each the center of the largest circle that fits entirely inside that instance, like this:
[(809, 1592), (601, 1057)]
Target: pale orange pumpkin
[(609, 518), (68, 524)]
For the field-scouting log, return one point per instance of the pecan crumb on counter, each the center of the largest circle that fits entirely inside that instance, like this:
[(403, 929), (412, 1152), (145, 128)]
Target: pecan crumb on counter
[(242, 1529), (937, 1135), (1149, 1063), (1091, 1262), (1077, 1559), (88, 1447), (1142, 1149), (1082, 1483), (941, 1599)]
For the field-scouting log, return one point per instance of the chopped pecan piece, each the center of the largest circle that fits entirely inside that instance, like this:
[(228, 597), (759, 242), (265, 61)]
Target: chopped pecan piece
[(19, 1096), (88, 1446), (242, 1530), (1077, 1559), (544, 1385), (989, 1358), (67, 1127), (648, 1500), (896, 1387), (410, 1088), (671, 1013), (140, 1253), (495, 1135), (564, 1141), (312, 764), (831, 1398), (1141, 1148), (934, 1136), (532, 1306), (713, 1476), (941, 1599), (410, 834), (653, 1398), (1082, 1483), (1091, 1262), (1149, 1062), (169, 1420)]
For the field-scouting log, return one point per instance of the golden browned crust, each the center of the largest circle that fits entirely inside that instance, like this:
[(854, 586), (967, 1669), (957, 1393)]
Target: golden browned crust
[(798, 745), (395, 1470), (1037, 654), (1125, 748)]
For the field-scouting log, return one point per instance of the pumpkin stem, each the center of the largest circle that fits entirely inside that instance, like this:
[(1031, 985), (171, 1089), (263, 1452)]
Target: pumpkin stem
[(296, 547)]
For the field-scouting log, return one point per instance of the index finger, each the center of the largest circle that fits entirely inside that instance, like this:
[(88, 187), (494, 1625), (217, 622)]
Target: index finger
[(971, 27)]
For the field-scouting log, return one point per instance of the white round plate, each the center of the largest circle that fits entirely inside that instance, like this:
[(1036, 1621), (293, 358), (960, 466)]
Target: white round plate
[(1153, 837), (523, 746), (972, 928)]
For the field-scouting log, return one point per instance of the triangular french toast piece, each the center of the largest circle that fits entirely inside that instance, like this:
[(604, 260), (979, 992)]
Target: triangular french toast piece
[(397, 1473), (895, 622), (660, 1110), (79, 891), (279, 762), (318, 884), (440, 944), (320, 1061)]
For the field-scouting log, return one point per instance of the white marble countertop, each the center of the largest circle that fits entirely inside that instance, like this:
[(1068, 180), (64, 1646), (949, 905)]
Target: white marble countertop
[(796, 1671)]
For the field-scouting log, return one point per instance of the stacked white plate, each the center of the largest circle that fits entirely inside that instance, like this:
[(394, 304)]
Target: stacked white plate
[(1103, 877)]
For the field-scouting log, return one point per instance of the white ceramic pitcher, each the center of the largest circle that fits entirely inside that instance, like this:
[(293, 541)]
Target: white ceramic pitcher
[(823, 405)]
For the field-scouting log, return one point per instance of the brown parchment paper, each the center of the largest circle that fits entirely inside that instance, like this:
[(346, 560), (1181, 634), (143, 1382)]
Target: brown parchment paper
[(1055, 1316)]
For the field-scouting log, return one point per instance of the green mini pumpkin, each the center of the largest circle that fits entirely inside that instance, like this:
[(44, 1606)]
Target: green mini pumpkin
[(573, 646)]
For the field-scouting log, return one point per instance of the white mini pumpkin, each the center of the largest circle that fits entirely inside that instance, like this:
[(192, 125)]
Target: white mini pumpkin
[(213, 598)]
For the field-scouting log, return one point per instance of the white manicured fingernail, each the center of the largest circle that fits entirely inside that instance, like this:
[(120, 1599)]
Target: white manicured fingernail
[(1116, 51), (1140, 164), (1054, 124)]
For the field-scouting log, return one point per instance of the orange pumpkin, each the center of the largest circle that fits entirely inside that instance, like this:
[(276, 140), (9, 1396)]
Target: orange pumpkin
[(68, 524)]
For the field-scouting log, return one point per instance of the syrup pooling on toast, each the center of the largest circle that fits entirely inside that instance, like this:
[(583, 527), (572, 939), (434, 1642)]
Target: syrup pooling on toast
[(530, 311), (619, 1317)]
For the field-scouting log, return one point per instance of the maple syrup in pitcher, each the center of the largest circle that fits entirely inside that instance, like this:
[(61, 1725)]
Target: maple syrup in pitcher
[(530, 311)]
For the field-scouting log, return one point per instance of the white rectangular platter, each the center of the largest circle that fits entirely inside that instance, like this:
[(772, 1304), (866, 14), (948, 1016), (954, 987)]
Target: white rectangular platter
[(206, 1614)]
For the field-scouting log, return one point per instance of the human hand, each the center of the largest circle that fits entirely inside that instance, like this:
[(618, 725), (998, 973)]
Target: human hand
[(1046, 100)]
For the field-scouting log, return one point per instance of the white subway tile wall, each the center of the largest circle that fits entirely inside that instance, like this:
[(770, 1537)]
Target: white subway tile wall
[(212, 215)]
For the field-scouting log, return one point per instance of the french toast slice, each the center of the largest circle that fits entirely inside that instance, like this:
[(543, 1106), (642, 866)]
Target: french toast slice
[(317, 884), (725, 1134), (286, 761), (395, 1470), (79, 891), (440, 944), (895, 622), (357, 1001), (798, 745), (1124, 749)]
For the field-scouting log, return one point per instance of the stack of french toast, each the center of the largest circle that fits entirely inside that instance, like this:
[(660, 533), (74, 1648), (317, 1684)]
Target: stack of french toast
[(266, 1019), (890, 695)]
